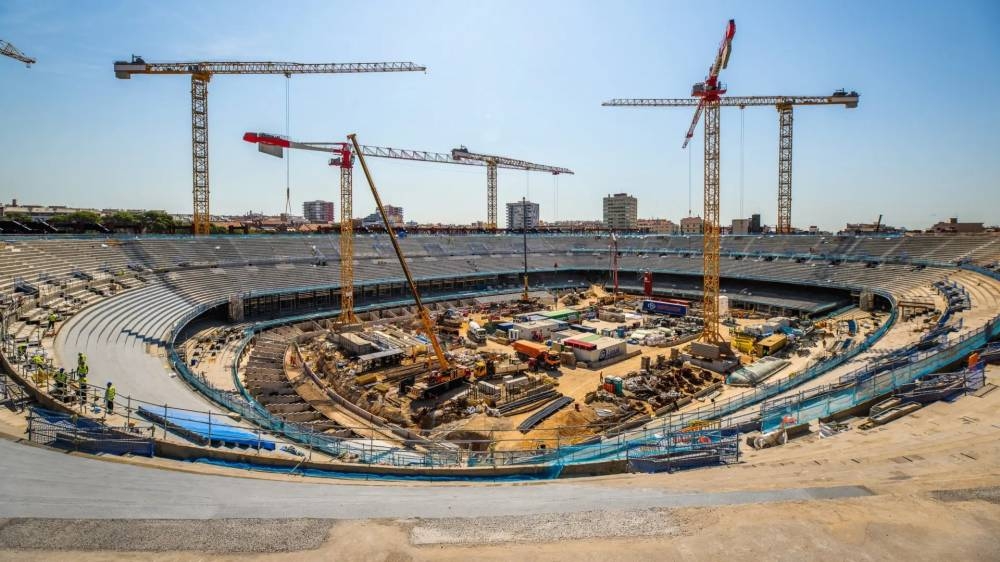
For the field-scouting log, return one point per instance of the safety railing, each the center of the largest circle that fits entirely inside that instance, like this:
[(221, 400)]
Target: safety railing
[(841, 397)]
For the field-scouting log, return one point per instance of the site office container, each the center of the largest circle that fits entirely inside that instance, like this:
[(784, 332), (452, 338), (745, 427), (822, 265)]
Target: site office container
[(664, 307), (770, 344)]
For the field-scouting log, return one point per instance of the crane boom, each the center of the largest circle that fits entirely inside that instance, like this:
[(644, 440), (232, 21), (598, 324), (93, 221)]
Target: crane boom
[(125, 70), (847, 100), (492, 163), (463, 153), (201, 73), (11, 51), (425, 317), (464, 157)]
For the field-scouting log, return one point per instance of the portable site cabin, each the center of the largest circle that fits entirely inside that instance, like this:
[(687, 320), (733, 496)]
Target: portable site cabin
[(770, 344)]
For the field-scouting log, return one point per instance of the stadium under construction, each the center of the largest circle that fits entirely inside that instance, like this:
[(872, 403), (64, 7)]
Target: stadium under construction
[(486, 373)]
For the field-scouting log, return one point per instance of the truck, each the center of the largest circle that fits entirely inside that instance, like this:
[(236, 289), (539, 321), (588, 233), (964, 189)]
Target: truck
[(675, 308), (543, 356), (476, 332)]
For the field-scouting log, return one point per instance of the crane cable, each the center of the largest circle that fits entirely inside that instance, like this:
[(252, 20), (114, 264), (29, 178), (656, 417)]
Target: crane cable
[(742, 113), (288, 155), (555, 201), (689, 180)]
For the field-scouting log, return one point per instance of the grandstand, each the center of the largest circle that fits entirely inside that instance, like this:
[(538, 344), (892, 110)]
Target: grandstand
[(127, 300)]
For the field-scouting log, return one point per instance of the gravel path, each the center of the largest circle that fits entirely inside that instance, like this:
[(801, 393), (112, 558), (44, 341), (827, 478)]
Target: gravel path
[(216, 535), (546, 527)]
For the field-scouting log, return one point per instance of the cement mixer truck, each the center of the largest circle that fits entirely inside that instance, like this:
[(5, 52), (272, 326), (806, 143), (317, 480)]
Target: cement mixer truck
[(476, 332)]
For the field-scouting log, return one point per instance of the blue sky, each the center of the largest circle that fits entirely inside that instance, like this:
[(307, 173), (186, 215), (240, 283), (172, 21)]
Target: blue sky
[(524, 79)]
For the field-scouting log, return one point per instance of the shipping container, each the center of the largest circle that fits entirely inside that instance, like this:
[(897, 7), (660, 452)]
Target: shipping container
[(661, 307)]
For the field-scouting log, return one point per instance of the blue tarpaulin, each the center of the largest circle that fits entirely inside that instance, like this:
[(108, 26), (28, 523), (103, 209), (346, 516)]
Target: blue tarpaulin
[(205, 427)]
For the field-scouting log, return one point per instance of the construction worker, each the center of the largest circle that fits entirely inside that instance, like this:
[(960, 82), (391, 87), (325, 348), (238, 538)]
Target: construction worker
[(82, 369), (81, 361), (52, 320), (109, 398), (81, 381), (61, 379), (22, 351), (38, 360)]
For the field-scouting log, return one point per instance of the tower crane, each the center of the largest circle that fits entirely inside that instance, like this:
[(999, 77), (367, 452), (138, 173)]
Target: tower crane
[(784, 105), (493, 162), (709, 93), (11, 51), (343, 159), (201, 73)]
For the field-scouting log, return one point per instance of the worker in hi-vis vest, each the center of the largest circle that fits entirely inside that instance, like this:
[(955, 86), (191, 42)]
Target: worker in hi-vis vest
[(109, 398)]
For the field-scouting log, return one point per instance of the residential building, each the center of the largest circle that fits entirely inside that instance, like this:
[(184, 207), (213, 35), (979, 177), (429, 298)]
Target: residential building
[(691, 225), (318, 211), (953, 226), (870, 228), (621, 211), (395, 215), (755, 226), (522, 214), (740, 226), (658, 226)]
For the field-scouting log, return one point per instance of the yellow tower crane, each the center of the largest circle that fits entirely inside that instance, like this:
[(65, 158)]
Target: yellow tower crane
[(201, 73), (784, 105)]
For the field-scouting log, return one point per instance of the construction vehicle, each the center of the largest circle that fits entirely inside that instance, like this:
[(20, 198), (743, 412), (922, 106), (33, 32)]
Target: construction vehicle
[(476, 332), (542, 355), (11, 51), (201, 73), (447, 376)]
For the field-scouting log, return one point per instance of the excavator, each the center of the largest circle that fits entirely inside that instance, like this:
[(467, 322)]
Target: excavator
[(446, 376)]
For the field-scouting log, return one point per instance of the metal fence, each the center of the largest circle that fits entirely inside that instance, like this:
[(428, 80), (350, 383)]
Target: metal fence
[(82, 434)]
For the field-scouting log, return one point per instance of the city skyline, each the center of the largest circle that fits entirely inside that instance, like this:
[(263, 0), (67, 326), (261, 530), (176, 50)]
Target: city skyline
[(910, 151)]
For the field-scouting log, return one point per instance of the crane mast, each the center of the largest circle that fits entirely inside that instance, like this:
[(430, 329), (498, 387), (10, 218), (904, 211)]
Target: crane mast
[(201, 73), (11, 51), (709, 92)]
